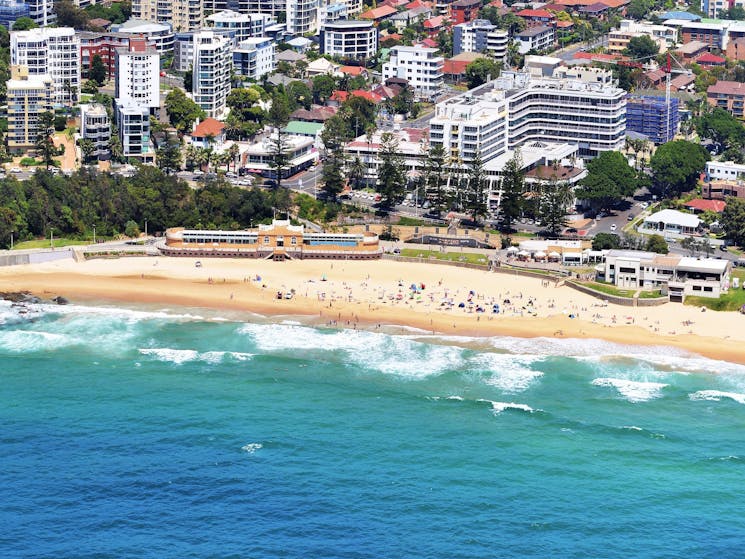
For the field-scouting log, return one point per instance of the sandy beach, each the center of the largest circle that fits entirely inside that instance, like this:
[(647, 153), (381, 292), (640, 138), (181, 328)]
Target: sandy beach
[(376, 294)]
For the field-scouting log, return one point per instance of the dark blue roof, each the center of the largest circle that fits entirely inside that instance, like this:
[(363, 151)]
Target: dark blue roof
[(680, 15)]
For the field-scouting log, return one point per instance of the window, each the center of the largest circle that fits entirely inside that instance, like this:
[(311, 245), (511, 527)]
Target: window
[(266, 240)]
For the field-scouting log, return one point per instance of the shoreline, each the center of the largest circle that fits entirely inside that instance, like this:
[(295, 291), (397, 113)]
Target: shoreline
[(377, 296)]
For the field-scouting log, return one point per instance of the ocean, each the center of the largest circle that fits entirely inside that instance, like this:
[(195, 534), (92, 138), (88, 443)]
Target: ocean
[(159, 433)]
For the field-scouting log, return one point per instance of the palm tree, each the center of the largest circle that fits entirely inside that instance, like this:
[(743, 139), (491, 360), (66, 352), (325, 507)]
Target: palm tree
[(357, 171), (233, 151)]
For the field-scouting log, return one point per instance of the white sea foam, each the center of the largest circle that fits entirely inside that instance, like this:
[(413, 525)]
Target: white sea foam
[(509, 373), (499, 407), (180, 356), (717, 395), (632, 390), (251, 448), (23, 341), (394, 355)]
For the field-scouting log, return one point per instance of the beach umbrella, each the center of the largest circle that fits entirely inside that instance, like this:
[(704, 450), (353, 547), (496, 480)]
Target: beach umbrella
[(539, 254), (553, 255), (512, 249)]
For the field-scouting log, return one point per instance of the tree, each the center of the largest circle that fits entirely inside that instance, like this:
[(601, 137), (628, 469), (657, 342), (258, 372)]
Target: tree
[(721, 127), (641, 46), (639, 9), (44, 145), (24, 24), (299, 95), (609, 180), (98, 72), (182, 111), (555, 196), (168, 155), (69, 15), (657, 243), (391, 177), (278, 117), (481, 71), (733, 220), (476, 193), (131, 229), (323, 87), (604, 241), (189, 80), (676, 167), (513, 185), (87, 147), (333, 177), (435, 179), (90, 87)]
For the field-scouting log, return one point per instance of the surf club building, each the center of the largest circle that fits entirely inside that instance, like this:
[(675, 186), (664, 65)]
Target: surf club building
[(278, 241)]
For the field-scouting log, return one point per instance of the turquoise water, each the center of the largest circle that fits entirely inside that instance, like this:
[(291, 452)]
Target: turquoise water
[(156, 434)]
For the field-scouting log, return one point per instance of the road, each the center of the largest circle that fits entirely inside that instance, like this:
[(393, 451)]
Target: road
[(568, 53)]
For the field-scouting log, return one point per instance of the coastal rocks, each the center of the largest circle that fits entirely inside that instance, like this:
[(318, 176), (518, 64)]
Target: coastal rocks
[(26, 298)]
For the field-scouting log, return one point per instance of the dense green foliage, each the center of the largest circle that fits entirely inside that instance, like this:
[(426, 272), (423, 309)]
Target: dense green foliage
[(676, 167), (71, 206), (642, 46), (482, 70), (182, 111), (733, 220), (23, 24), (603, 241), (657, 243), (609, 180), (513, 186)]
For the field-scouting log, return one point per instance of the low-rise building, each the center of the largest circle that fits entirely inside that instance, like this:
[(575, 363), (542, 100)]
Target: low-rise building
[(96, 127), (300, 150), (662, 35), (280, 240), (539, 39), (28, 97), (208, 134), (729, 96), (671, 224), (724, 170), (679, 276), (463, 11), (480, 35), (242, 25)]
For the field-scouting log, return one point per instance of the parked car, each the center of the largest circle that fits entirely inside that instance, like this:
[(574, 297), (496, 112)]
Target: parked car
[(613, 227)]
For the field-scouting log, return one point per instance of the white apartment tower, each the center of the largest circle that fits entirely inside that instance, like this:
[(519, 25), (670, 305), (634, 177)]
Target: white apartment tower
[(183, 15), (52, 51), (138, 75), (420, 66), (302, 16), (244, 25), (349, 39), (42, 12), (213, 60), (465, 127)]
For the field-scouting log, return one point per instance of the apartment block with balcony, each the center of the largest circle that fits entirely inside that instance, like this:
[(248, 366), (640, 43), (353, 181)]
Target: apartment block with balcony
[(591, 115), (138, 75), (159, 35), (480, 35), (729, 96), (350, 39), (133, 123), (465, 127), (181, 15), (302, 16), (28, 97), (50, 51), (254, 58), (212, 63), (42, 12), (539, 38), (96, 127), (420, 66), (243, 25), (11, 10)]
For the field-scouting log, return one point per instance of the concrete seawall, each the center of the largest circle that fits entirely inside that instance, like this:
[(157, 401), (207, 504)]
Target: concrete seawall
[(14, 258)]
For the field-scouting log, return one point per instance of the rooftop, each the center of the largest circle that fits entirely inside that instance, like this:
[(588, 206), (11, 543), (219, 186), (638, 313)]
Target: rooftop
[(533, 31), (707, 205), (727, 88), (208, 127)]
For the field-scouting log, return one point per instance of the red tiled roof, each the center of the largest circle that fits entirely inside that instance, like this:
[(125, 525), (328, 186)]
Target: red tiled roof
[(682, 80), (208, 127), (378, 13), (429, 43), (727, 88), (600, 57), (417, 4), (369, 95), (707, 205), (534, 13), (564, 24), (454, 67), (708, 58), (434, 22), (353, 70)]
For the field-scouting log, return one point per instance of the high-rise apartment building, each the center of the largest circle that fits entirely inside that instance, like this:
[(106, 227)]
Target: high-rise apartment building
[(243, 25), (254, 58), (213, 60), (138, 74), (182, 15), (420, 66), (133, 122), (350, 39), (480, 35), (52, 51), (96, 127), (11, 10), (42, 12), (28, 97)]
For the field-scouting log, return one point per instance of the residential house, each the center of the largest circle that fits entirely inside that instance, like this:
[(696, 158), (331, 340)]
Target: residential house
[(209, 133)]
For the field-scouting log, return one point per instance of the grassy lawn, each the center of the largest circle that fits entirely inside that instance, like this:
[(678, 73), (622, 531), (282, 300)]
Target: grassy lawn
[(733, 300), (468, 257), (44, 243), (609, 289), (410, 221)]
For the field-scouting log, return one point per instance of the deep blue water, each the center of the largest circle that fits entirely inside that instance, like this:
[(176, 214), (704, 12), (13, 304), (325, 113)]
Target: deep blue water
[(152, 434)]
